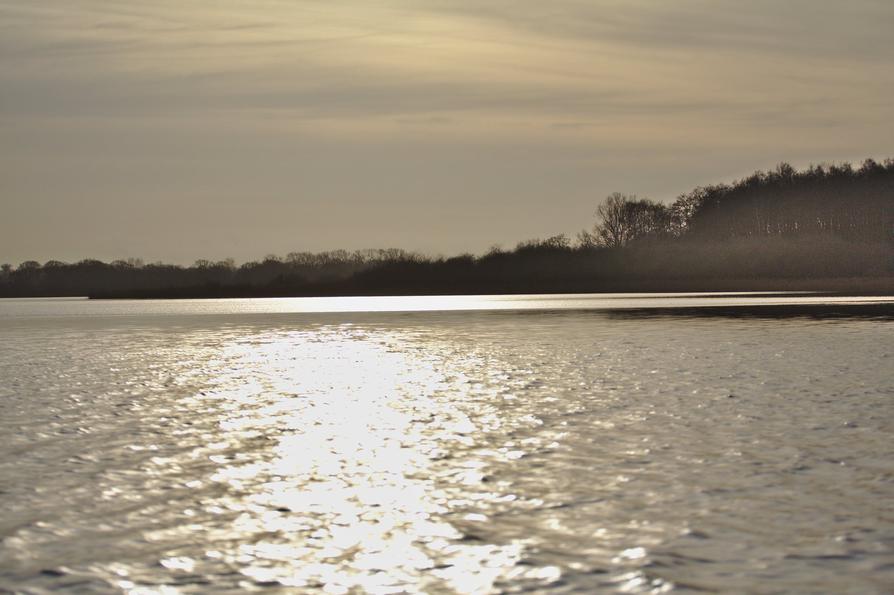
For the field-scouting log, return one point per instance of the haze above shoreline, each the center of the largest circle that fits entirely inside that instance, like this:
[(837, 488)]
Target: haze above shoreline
[(823, 228)]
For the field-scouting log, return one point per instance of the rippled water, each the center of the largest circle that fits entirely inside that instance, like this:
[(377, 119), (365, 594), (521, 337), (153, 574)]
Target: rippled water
[(563, 444)]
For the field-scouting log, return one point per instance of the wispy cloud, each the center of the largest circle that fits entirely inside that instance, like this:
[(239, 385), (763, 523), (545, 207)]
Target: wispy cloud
[(573, 85), (572, 58)]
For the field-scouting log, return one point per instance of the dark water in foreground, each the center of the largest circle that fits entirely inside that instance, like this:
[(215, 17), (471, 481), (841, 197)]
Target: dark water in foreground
[(622, 444)]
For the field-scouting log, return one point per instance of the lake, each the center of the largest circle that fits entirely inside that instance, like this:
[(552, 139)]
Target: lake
[(619, 443)]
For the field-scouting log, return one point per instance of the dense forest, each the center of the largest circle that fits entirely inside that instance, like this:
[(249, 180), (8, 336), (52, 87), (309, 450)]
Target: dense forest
[(826, 227)]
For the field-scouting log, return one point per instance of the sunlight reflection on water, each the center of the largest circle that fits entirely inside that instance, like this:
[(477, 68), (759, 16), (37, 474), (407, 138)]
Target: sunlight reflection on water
[(343, 492), (485, 452), (68, 307)]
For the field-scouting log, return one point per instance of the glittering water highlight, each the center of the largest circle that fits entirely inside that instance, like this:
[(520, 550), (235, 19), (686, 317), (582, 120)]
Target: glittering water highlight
[(182, 450)]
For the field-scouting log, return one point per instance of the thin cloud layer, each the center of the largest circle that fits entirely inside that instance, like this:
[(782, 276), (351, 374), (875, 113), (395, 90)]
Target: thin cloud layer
[(564, 90)]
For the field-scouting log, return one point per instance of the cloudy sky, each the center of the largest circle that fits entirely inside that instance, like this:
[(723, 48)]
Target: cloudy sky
[(182, 129)]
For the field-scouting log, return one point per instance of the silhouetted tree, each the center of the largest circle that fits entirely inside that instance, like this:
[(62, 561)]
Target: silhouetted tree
[(559, 242), (586, 240), (624, 219)]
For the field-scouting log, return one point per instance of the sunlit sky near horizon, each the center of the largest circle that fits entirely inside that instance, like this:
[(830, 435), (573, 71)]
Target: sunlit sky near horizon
[(176, 130)]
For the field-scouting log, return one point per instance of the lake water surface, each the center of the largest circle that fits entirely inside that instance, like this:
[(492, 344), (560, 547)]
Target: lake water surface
[(620, 443)]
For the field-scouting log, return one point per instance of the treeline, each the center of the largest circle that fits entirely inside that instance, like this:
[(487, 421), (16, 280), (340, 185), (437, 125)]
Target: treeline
[(822, 200), (840, 200), (771, 230), (94, 277)]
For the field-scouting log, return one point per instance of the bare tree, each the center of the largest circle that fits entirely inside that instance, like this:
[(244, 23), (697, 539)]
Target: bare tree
[(611, 229), (586, 240), (623, 219)]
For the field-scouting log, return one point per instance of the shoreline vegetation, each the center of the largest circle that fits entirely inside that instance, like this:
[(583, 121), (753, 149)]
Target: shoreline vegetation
[(826, 228)]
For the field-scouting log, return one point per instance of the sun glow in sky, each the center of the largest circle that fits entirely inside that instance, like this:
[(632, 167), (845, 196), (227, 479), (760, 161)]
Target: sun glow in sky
[(206, 129)]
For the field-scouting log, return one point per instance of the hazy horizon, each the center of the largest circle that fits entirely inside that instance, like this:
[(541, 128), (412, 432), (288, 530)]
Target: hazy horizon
[(225, 129)]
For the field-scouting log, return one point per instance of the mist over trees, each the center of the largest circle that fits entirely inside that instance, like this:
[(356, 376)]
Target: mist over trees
[(836, 200), (762, 232)]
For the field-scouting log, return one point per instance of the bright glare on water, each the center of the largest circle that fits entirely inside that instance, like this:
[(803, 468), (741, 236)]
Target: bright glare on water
[(392, 445)]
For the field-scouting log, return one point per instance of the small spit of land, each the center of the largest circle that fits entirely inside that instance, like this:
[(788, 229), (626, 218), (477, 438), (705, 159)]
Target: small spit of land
[(825, 228)]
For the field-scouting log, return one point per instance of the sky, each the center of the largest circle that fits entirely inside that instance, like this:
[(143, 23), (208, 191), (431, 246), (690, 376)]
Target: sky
[(175, 130)]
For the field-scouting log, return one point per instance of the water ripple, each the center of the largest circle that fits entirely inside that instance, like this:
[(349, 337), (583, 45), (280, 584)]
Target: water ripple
[(466, 453)]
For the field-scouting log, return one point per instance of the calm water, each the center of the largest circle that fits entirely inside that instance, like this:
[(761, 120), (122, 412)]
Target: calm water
[(621, 444)]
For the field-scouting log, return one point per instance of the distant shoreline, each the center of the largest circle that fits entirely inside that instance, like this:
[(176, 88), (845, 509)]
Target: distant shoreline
[(862, 286), (827, 229)]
